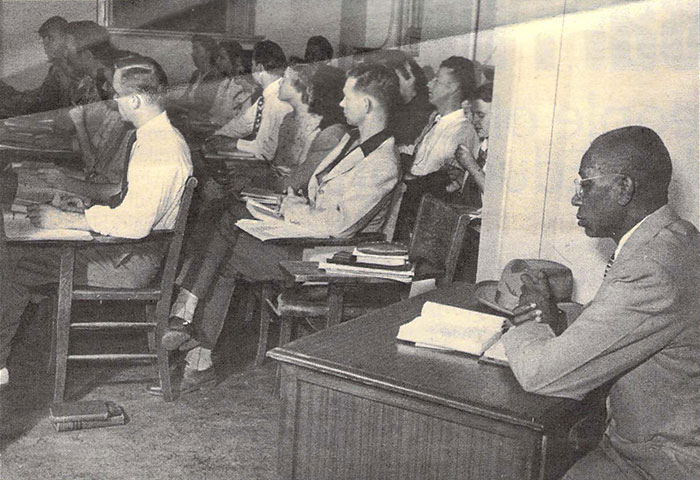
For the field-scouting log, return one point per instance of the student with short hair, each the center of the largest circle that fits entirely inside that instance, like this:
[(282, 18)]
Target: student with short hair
[(100, 130), (262, 120), (234, 94), (158, 169), (349, 192), (55, 91)]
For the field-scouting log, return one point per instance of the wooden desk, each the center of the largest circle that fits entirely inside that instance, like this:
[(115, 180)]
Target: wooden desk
[(359, 405)]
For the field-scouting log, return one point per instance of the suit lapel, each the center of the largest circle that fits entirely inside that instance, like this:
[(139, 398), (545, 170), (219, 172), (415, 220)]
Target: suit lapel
[(349, 162), (332, 155)]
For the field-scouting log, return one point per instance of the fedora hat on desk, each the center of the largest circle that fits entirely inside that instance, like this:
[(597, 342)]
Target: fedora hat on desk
[(504, 295)]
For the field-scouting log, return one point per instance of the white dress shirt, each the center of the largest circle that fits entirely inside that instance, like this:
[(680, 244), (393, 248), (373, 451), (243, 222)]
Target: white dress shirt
[(273, 112), (158, 169), (437, 147)]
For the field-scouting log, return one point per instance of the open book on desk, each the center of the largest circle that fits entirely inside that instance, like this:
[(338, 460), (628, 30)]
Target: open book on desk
[(274, 228), (19, 227), (450, 328)]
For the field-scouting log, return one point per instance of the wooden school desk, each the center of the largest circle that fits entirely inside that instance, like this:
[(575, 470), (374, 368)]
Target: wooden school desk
[(357, 404)]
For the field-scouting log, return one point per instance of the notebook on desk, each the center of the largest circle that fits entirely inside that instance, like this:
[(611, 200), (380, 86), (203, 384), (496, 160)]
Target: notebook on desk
[(19, 227)]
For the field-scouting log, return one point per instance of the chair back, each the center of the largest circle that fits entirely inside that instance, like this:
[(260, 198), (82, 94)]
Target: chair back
[(392, 215), (175, 245), (4, 269), (438, 236)]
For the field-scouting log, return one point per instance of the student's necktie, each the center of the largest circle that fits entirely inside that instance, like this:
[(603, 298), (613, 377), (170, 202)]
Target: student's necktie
[(258, 115), (610, 264), (116, 200)]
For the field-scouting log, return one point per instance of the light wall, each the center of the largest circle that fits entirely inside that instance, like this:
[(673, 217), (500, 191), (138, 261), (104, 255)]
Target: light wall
[(22, 60), (561, 81)]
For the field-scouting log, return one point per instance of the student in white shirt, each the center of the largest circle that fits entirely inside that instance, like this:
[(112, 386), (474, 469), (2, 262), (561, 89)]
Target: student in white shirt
[(348, 192), (263, 119), (434, 152), (159, 167)]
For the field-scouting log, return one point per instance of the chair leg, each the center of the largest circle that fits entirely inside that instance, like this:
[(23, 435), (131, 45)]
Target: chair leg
[(63, 311), (149, 312), (286, 325), (265, 319), (161, 313), (48, 307), (250, 304), (336, 298)]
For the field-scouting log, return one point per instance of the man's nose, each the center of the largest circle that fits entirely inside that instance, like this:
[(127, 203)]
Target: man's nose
[(576, 200)]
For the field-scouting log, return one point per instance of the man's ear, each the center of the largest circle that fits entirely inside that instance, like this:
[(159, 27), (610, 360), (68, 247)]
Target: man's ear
[(136, 100), (626, 188), (368, 103)]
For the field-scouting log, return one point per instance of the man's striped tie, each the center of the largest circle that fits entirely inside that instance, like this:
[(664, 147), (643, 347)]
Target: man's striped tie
[(610, 264)]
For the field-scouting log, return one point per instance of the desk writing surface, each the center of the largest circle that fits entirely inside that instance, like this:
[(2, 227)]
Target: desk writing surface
[(366, 350)]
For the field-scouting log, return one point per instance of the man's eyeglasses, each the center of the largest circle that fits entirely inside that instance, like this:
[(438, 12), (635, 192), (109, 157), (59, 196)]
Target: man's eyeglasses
[(578, 183)]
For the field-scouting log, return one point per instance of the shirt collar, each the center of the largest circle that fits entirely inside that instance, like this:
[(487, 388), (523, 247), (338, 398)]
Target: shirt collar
[(452, 117), (272, 89), (373, 142), (627, 235), (154, 126)]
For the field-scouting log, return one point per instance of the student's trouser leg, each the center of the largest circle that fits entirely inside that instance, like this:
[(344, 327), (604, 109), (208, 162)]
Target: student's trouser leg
[(33, 266), (250, 259)]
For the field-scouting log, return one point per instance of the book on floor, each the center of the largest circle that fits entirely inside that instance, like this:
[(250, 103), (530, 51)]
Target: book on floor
[(86, 414), (457, 329)]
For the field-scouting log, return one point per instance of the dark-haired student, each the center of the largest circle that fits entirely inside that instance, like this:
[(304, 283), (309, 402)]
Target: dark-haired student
[(314, 127), (261, 120), (434, 153), (471, 189), (202, 86), (55, 91), (100, 129), (348, 192), (318, 50), (234, 94), (415, 108), (158, 169)]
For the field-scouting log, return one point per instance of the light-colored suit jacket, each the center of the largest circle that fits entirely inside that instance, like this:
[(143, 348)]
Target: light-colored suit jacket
[(343, 204), (641, 332)]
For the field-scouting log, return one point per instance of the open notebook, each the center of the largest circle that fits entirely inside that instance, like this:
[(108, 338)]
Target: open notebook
[(456, 329), (18, 227), (269, 225)]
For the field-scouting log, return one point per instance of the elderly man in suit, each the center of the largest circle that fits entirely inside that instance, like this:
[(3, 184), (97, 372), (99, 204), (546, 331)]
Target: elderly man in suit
[(349, 192), (640, 335)]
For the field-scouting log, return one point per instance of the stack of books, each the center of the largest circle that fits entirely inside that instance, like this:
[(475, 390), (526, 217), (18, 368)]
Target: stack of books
[(70, 416), (374, 259)]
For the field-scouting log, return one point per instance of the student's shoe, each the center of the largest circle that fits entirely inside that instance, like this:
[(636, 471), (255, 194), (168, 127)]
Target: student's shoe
[(192, 381), (178, 332)]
